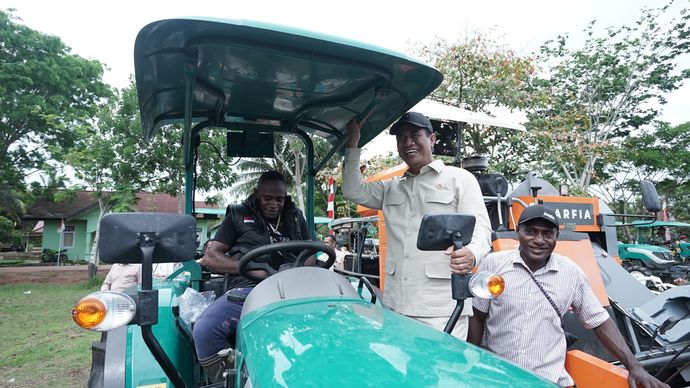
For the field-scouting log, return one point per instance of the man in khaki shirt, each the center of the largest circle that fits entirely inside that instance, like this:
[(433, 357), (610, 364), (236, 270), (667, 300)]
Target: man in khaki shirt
[(418, 283)]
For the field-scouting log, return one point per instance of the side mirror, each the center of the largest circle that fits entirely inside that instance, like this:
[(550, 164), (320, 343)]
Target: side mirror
[(650, 198), (439, 231), (122, 236)]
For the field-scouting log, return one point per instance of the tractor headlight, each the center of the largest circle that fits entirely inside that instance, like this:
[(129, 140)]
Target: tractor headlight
[(486, 285), (104, 310)]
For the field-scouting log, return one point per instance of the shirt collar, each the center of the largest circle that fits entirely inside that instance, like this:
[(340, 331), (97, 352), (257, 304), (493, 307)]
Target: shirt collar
[(551, 265), (436, 165)]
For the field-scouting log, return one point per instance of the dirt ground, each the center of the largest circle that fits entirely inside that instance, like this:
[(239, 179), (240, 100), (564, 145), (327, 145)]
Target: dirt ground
[(70, 274)]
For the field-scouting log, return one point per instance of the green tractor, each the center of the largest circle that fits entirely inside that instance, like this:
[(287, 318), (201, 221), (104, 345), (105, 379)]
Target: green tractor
[(649, 257), (303, 326)]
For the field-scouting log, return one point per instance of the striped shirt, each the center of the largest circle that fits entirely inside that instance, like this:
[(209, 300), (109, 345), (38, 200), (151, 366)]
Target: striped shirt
[(521, 324)]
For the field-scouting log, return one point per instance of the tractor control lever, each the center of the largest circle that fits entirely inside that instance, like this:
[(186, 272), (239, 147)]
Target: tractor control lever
[(460, 287)]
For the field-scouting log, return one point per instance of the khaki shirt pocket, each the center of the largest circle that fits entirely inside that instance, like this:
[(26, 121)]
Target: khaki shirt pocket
[(437, 270), (394, 198), (440, 197)]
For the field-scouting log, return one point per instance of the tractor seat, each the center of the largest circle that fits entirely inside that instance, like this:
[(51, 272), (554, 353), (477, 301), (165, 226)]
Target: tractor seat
[(295, 283)]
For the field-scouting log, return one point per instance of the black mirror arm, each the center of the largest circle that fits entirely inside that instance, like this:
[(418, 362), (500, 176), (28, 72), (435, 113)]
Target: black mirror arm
[(148, 309), (147, 244)]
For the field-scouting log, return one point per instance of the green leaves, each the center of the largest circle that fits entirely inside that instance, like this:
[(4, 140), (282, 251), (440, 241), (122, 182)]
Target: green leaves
[(9, 235), (46, 93), (664, 156), (481, 74), (595, 95)]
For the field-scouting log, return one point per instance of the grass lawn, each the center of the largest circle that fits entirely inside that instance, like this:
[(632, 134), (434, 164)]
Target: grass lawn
[(41, 345), (11, 263)]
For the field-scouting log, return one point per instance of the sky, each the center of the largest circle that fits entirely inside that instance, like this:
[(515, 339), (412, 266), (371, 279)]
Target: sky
[(106, 30)]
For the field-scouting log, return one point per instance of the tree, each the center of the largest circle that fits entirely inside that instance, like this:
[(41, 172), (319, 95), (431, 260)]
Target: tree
[(664, 157), (97, 164), (482, 74), (49, 184), (380, 163), (11, 205), (45, 92), (588, 99), (343, 207), (113, 160), (289, 160), (250, 169), (9, 234)]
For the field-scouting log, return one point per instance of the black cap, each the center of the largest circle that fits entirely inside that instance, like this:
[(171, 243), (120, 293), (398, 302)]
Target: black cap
[(539, 212), (414, 118)]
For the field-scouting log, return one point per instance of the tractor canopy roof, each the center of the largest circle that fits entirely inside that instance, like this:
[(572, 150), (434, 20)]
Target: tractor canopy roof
[(658, 224), (227, 72)]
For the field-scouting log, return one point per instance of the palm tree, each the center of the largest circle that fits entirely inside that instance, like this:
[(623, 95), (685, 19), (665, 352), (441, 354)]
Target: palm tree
[(250, 169), (11, 204), (289, 159)]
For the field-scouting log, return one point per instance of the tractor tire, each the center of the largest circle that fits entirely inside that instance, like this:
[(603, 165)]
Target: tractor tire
[(639, 271)]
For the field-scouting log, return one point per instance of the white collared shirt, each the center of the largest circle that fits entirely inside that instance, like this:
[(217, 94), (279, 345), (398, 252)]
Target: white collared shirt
[(418, 283), (121, 277)]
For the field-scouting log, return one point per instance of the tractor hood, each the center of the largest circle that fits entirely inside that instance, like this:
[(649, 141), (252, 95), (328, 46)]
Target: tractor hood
[(646, 247), (343, 342)]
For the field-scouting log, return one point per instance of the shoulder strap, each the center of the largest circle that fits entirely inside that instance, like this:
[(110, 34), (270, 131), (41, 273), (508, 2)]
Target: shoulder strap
[(553, 304)]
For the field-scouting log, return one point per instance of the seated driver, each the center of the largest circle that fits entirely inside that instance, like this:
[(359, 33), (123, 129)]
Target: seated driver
[(267, 216)]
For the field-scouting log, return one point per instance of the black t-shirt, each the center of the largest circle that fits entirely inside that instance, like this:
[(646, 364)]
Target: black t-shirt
[(228, 234)]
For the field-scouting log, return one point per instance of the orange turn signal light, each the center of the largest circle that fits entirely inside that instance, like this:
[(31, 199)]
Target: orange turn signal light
[(496, 285), (89, 312), (104, 310), (486, 285)]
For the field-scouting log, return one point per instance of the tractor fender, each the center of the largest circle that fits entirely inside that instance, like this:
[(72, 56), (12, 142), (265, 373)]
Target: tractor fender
[(108, 359)]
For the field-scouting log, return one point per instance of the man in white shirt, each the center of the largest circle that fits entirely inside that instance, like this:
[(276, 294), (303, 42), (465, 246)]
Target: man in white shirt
[(418, 283), (121, 277), (339, 254)]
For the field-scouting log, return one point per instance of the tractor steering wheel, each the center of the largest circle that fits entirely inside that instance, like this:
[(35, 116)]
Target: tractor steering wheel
[(250, 262)]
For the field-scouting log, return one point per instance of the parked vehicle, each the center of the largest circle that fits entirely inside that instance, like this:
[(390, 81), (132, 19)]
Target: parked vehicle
[(52, 256), (304, 326), (357, 234), (650, 255)]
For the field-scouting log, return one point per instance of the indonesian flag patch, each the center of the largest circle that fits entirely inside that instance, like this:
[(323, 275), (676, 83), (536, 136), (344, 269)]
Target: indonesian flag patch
[(248, 220)]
